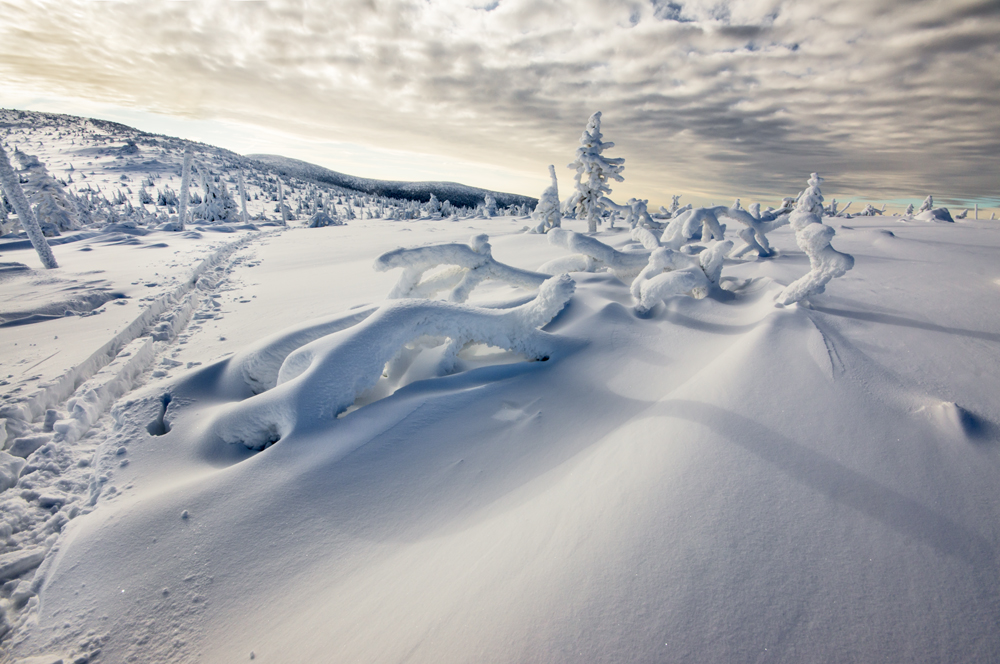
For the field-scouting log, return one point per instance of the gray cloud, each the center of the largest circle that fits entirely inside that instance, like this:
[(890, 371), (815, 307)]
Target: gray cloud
[(889, 100)]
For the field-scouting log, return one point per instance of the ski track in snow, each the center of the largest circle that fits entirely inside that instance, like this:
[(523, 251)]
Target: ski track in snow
[(59, 481)]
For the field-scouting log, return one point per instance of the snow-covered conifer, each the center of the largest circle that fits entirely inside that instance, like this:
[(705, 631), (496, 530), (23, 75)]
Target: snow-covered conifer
[(433, 205), (928, 204), (12, 189), (813, 237), (54, 211), (489, 205), (546, 214), (909, 210), (593, 171)]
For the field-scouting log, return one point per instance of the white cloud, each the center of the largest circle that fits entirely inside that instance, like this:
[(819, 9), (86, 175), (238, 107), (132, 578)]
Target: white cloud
[(741, 98)]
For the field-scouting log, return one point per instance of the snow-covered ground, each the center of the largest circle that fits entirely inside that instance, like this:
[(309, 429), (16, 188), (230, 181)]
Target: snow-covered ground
[(719, 479)]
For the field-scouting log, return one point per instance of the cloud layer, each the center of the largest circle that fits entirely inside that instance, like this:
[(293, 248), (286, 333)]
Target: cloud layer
[(888, 100)]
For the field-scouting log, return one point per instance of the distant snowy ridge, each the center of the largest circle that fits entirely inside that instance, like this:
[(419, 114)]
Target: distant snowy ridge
[(459, 194)]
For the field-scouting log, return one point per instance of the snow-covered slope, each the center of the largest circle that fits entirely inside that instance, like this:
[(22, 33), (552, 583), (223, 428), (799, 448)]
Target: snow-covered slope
[(458, 194), (720, 479)]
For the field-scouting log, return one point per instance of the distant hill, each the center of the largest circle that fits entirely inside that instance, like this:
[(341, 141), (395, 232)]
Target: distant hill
[(458, 194)]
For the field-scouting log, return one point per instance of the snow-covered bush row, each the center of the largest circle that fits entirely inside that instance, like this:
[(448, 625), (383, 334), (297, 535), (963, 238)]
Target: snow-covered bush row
[(322, 379), (592, 255), (669, 273), (813, 237), (472, 265)]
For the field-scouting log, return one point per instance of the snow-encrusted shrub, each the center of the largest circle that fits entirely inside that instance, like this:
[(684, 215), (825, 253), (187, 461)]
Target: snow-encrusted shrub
[(53, 209), (489, 206), (321, 220), (669, 273), (322, 379), (546, 214), (433, 206), (12, 190), (813, 237), (593, 171), (592, 255), (471, 265), (217, 205), (634, 212), (963, 214)]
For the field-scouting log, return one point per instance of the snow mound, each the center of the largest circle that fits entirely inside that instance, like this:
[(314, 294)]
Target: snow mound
[(322, 379)]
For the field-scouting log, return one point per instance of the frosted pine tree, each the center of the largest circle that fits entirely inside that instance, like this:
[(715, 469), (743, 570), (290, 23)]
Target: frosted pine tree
[(489, 206), (12, 189), (928, 204), (593, 171), (547, 211)]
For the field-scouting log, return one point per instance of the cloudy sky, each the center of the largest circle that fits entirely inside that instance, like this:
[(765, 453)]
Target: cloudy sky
[(888, 100)]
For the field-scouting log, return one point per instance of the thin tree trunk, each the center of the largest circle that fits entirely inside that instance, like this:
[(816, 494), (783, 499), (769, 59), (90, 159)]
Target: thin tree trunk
[(12, 187)]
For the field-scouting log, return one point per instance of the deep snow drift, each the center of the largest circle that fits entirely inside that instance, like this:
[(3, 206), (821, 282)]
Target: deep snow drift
[(717, 479)]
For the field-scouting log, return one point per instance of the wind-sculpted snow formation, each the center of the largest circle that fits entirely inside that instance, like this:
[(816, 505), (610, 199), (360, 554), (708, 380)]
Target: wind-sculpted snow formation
[(813, 237), (471, 264), (592, 255), (324, 378), (669, 273)]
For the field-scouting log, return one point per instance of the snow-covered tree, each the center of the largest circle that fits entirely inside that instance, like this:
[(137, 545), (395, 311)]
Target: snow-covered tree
[(489, 205), (217, 204), (433, 205), (322, 379), (928, 204), (243, 200), (546, 214), (669, 273), (470, 265), (592, 255), (53, 209), (909, 210), (593, 171), (813, 237), (12, 189), (185, 184)]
